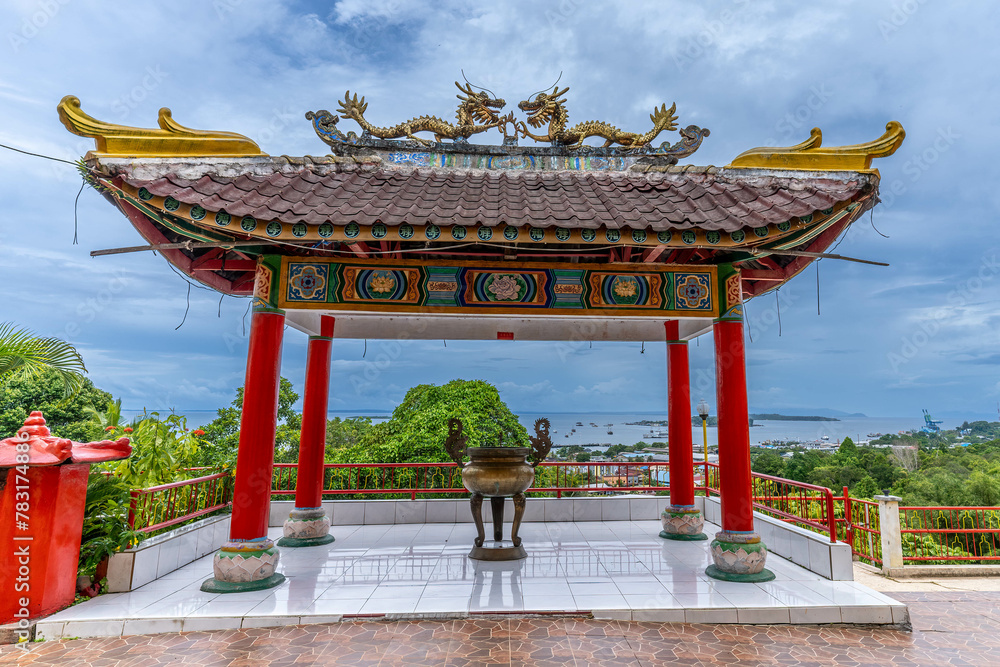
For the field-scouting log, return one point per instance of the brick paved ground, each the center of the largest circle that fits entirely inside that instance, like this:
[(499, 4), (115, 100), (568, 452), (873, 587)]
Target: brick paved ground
[(949, 628)]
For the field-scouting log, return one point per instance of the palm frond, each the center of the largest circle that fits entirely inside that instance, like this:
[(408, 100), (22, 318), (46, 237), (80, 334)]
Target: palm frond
[(21, 351)]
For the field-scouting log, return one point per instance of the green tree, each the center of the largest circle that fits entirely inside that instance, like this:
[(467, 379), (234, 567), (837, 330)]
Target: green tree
[(583, 457), (848, 448), (222, 434), (344, 433), (866, 488), (24, 354), (419, 425), (767, 462), (46, 390)]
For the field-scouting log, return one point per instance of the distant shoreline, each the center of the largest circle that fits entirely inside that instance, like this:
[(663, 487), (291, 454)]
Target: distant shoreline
[(767, 417)]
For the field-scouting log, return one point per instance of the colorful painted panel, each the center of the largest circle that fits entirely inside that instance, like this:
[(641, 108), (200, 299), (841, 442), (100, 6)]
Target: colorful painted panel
[(626, 290), (505, 288), (307, 282), (693, 291), (381, 284), (408, 286)]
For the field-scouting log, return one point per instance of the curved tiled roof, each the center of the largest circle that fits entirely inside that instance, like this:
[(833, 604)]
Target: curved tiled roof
[(318, 190)]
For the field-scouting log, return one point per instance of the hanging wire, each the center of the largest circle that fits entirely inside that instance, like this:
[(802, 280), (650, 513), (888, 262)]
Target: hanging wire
[(817, 288), (249, 303), (777, 304), (445, 342), (186, 309), (871, 221), (746, 318), (366, 349), (76, 203), (642, 350), (220, 305), (47, 157)]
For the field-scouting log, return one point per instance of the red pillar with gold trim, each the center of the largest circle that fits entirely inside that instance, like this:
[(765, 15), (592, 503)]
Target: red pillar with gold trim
[(681, 520), (737, 549), (248, 560), (307, 524)]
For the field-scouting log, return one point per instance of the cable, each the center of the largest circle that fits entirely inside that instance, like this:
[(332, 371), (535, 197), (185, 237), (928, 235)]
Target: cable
[(817, 288), (186, 309), (777, 305), (223, 296), (871, 221), (249, 303), (76, 203), (47, 157)]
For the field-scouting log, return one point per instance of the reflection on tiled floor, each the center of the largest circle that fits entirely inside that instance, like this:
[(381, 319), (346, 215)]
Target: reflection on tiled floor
[(948, 629), (614, 570)]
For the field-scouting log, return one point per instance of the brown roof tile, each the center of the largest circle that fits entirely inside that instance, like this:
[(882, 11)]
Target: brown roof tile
[(678, 198)]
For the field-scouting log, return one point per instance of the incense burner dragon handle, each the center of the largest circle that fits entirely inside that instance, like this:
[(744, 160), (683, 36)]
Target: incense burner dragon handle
[(455, 443), (541, 443)]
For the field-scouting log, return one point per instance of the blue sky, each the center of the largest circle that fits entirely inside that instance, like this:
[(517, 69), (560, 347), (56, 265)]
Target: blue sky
[(921, 333)]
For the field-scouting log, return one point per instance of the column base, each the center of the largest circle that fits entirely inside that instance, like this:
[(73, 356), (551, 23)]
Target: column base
[(739, 556), (213, 585), (244, 566), (683, 524), (306, 527)]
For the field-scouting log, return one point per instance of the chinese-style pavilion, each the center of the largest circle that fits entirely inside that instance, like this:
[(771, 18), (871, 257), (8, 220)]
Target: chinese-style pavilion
[(394, 236)]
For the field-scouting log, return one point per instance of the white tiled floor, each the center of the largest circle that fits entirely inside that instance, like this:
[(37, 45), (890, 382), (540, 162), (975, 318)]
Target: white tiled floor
[(614, 569)]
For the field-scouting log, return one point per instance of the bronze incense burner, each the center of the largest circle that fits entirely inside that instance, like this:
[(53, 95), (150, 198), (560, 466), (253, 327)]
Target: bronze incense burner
[(498, 472)]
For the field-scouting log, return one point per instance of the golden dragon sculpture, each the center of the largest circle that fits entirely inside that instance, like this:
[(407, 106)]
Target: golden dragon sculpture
[(551, 108), (475, 114)]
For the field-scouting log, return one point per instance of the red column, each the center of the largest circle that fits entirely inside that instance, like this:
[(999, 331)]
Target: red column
[(312, 443), (258, 423), (734, 426), (679, 418)]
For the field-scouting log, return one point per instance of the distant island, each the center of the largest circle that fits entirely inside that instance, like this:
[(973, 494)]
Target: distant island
[(793, 418)]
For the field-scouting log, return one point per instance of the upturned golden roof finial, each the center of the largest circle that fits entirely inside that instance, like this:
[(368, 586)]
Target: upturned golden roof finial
[(810, 155), (171, 140)]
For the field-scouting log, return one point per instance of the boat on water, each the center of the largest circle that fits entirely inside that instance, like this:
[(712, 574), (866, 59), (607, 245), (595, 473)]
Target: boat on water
[(656, 434), (579, 423), (610, 432)]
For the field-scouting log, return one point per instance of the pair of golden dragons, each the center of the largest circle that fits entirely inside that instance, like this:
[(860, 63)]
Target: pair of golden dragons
[(477, 112)]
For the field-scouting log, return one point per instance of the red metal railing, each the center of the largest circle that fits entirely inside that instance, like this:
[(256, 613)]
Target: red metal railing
[(950, 534), (170, 504), (807, 505), (414, 479), (860, 527)]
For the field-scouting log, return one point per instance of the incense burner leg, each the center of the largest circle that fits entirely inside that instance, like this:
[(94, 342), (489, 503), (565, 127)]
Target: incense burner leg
[(477, 515), (496, 502), (519, 504)]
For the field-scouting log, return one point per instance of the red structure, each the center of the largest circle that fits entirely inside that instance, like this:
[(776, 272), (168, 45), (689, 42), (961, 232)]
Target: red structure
[(448, 239), (249, 559), (44, 488), (681, 520), (307, 524)]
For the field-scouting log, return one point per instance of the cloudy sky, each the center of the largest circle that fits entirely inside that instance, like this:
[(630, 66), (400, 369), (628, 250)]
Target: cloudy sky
[(924, 332)]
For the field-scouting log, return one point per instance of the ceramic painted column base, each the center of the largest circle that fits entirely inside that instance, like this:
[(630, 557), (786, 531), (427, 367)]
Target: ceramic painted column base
[(682, 523), (738, 557), (306, 527), (244, 566)]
